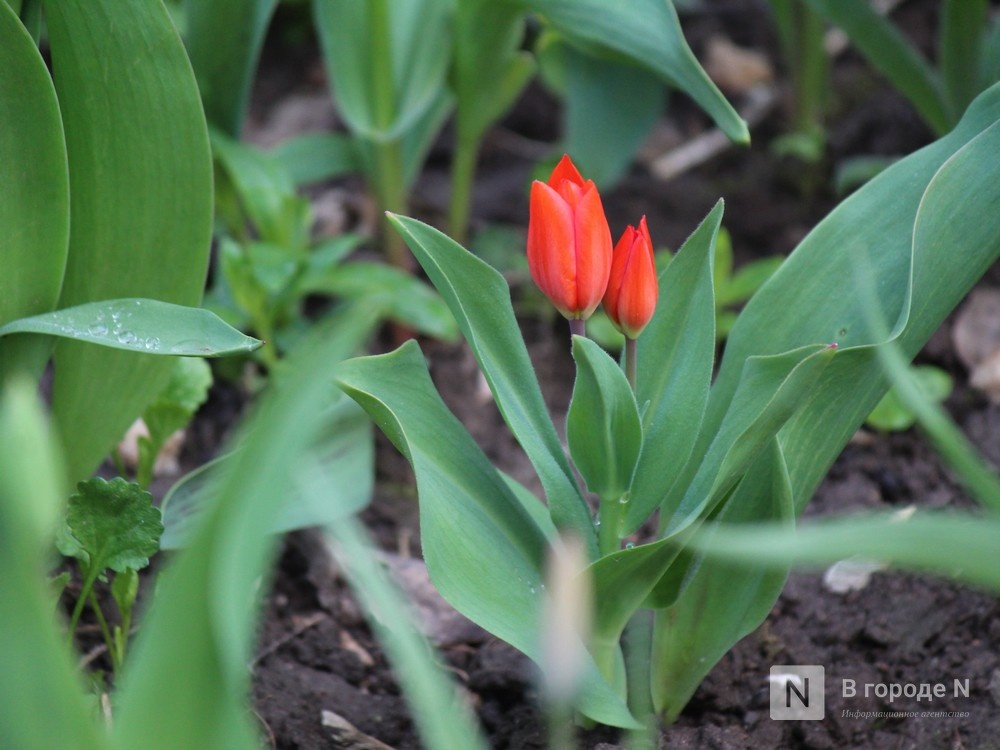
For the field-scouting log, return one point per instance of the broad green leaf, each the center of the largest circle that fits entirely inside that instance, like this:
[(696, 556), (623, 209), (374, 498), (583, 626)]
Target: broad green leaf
[(960, 546), (34, 192), (112, 524), (602, 425), (401, 295), (901, 228), (647, 32), (441, 716), (747, 280), (483, 550), (35, 664), (147, 326), (315, 157), (624, 580), (334, 479), (676, 352), (479, 298), (386, 65), (602, 96), (224, 39), (187, 672), (140, 199), (770, 391), (722, 601), (889, 52), (807, 301), (891, 413), (960, 46)]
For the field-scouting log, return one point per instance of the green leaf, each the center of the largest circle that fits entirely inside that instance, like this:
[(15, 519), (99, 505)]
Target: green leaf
[(722, 601), (898, 231), (34, 206), (904, 254), (404, 298), (187, 671), (889, 52), (479, 298), (674, 369), (648, 33), (266, 192), (483, 550), (386, 68), (36, 668), (602, 425), (316, 157), (741, 286), (339, 462), (224, 39), (113, 525), (960, 546), (602, 96), (770, 391), (147, 326), (892, 414), (960, 45), (140, 199)]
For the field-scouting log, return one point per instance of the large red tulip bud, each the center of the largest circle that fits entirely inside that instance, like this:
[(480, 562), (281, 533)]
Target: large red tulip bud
[(569, 242)]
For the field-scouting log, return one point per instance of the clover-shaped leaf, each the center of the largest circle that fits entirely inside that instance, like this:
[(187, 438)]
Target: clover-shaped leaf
[(111, 524)]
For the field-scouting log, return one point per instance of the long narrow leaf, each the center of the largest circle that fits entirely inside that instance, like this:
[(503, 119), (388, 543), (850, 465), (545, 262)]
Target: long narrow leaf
[(889, 51), (479, 298)]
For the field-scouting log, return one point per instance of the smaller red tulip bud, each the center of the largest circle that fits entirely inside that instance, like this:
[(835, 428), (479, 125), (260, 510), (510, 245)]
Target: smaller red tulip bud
[(633, 289), (569, 242)]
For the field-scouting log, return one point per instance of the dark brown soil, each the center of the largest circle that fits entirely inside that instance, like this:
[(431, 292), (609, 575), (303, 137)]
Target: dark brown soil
[(316, 651)]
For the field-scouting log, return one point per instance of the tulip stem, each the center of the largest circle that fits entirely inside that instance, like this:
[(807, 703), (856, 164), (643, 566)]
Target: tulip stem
[(630, 358), (463, 172), (577, 327)]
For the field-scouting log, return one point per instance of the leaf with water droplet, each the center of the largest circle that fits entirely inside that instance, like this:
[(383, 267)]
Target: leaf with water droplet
[(154, 327)]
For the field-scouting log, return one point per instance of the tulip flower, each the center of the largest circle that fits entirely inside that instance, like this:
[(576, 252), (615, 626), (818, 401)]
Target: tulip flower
[(569, 242), (633, 288)]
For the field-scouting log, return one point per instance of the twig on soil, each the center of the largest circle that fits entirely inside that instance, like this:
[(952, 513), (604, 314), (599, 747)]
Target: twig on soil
[(309, 622), (348, 736)]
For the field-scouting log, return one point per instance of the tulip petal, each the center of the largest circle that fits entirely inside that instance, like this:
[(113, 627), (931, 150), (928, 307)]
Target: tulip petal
[(565, 170), (593, 250), (551, 248)]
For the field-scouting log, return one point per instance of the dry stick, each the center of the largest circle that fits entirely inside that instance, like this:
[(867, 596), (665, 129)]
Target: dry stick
[(314, 619)]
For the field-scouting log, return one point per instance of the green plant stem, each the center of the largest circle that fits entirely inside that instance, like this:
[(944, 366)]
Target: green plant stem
[(88, 585), (463, 172), (105, 631), (560, 727), (638, 647), (631, 354), (608, 538), (388, 179)]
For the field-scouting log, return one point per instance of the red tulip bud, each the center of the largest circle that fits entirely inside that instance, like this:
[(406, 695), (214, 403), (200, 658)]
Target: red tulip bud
[(569, 242), (633, 288)]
